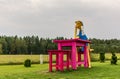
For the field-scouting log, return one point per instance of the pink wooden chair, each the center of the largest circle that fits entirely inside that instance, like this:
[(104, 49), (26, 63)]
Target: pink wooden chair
[(60, 63)]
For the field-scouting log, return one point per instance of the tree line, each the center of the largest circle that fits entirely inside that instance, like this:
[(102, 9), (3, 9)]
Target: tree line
[(26, 45), (36, 45), (105, 45)]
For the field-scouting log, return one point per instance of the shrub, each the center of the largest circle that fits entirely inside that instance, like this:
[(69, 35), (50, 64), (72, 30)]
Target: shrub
[(102, 57), (27, 63), (114, 59)]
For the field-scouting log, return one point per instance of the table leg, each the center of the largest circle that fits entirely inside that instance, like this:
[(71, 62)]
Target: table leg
[(59, 46), (79, 57), (59, 56), (68, 56), (73, 56), (50, 62), (85, 57), (61, 62), (57, 61)]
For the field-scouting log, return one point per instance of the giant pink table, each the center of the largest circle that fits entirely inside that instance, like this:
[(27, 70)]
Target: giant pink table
[(74, 43)]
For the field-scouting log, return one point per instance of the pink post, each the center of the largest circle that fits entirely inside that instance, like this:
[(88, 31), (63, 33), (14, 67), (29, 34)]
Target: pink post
[(85, 56), (79, 58), (61, 59), (60, 62), (74, 56), (50, 62), (57, 60), (59, 46), (68, 56)]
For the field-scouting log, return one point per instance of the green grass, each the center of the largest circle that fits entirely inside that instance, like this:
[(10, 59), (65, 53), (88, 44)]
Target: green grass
[(19, 59), (95, 57), (98, 71), (20, 72)]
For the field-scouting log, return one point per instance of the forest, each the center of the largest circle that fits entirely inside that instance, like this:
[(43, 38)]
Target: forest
[(34, 45)]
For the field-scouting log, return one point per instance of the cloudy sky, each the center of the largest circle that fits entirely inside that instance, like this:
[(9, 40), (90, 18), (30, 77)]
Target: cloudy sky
[(52, 18)]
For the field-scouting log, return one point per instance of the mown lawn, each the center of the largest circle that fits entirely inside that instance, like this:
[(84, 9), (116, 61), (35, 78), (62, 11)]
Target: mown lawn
[(19, 59), (37, 71)]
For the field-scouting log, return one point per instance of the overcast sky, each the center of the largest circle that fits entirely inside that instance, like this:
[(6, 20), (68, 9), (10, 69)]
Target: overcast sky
[(52, 18)]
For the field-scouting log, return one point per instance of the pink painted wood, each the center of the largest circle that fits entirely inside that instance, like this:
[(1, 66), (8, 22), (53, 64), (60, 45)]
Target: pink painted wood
[(79, 58), (74, 43), (59, 59)]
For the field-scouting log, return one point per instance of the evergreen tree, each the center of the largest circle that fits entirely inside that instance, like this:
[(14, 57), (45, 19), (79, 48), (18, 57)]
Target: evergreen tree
[(114, 59), (1, 51), (102, 57)]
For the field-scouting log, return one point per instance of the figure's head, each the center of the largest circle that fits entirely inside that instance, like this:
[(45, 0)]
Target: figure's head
[(79, 24)]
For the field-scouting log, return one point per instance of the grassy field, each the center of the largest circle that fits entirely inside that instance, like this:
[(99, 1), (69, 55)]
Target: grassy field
[(19, 59), (37, 71), (95, 57)]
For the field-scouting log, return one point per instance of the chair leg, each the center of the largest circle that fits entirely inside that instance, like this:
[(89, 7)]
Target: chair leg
[(68, 56), (50, 62), (61, 61), (79, 58), (57, 61)]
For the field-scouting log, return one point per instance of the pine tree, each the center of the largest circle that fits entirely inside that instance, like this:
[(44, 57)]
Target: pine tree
[(114, 59)]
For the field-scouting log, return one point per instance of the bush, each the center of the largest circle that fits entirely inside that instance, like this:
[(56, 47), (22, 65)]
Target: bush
[(102, 57), (27, 63), (114, 59)]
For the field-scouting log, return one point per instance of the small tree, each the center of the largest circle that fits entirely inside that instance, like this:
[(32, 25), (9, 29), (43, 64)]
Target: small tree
[(113, 59), (27, 63), (102, 57)]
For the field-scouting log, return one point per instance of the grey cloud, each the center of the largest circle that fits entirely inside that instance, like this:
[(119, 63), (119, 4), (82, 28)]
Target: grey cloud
[(56, 17)]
